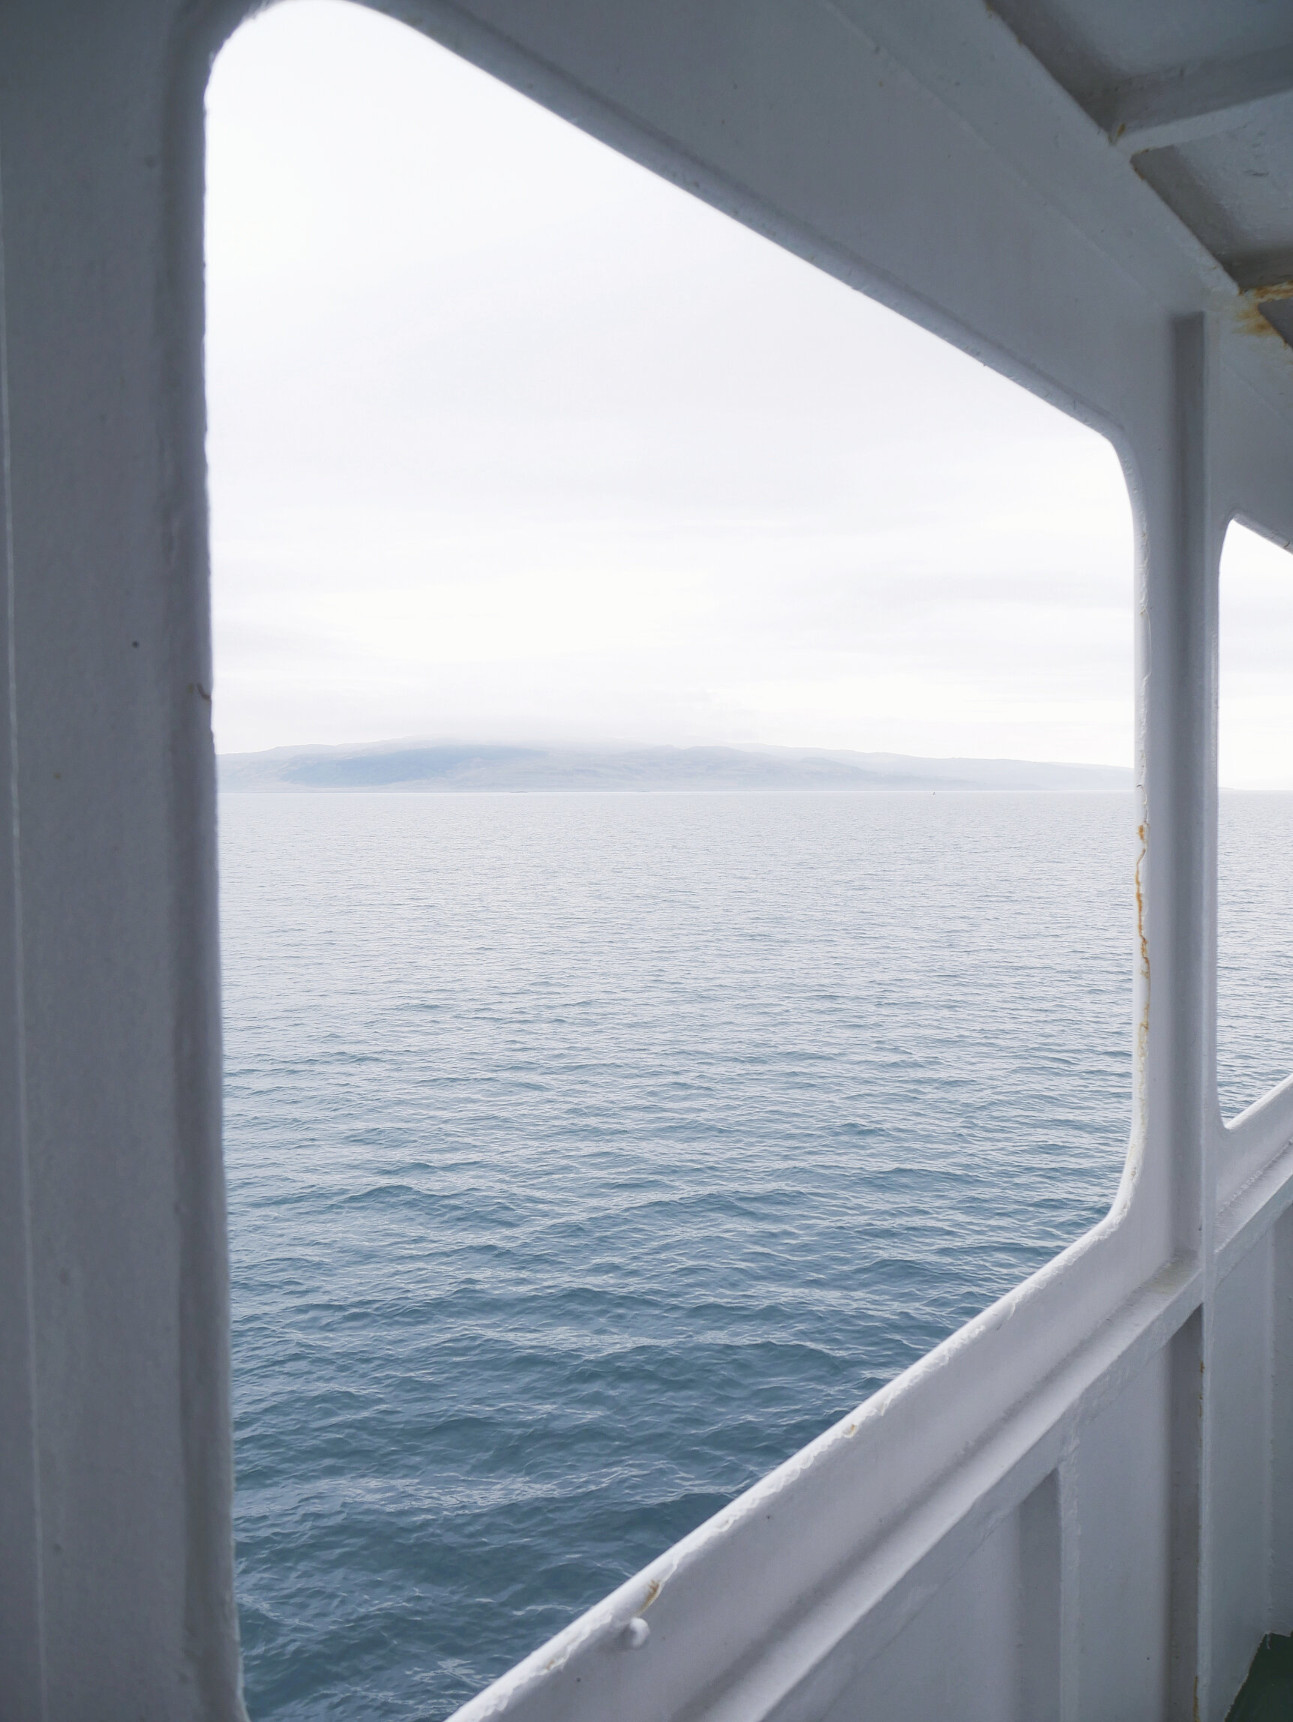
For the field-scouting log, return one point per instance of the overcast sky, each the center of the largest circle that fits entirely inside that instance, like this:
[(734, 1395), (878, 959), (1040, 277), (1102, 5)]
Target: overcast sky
[(510, 440)]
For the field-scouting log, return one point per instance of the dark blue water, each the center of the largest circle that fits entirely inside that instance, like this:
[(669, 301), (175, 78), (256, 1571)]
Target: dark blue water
[(589, 1154)]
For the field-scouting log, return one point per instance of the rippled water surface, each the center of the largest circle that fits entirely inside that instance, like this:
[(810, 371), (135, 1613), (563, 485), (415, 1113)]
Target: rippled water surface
[(588, 1154)]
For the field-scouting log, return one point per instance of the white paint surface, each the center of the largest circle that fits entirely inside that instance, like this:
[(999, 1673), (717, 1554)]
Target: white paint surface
[(1075, 1459)]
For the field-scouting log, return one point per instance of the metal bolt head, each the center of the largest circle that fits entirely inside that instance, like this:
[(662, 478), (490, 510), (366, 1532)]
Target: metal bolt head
[(634, 1634)]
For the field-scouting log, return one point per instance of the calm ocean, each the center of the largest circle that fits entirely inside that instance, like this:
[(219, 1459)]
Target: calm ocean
[(588, 1154)]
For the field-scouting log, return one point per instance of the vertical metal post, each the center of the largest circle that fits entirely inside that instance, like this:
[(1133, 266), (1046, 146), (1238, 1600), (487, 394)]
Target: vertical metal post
[(115, 1534), (1177, 684), (21, 1635), (1176, 745)]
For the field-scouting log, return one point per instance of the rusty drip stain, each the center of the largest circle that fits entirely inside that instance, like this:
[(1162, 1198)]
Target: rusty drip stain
[(1251, 320), (1142, 834), (1249, 313), (653, 1591)]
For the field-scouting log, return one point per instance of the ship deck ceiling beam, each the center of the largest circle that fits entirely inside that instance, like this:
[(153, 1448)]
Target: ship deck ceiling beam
[(1158, 112)]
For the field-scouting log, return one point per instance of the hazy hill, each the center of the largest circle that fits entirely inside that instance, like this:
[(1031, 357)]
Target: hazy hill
[(450, 766)]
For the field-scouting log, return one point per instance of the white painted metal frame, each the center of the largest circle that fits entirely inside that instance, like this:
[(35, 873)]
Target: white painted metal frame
[(1081, 1505)]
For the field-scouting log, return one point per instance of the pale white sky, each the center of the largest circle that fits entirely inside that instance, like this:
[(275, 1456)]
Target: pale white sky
[(1256, 739), (510, 440)]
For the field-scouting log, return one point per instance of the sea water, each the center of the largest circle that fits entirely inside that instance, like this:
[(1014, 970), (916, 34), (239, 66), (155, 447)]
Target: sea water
[(588, 1154)]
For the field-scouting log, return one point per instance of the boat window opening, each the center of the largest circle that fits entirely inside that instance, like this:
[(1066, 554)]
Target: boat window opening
[(1255, 819), (676, 852)]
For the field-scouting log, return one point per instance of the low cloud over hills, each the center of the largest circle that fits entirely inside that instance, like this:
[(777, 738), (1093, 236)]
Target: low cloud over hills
[(464, 766)]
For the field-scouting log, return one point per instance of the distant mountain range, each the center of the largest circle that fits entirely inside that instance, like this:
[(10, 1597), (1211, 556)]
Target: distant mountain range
[(464, 766)]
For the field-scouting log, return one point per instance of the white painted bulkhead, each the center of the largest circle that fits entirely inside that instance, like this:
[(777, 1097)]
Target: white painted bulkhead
[(1080, 1506)]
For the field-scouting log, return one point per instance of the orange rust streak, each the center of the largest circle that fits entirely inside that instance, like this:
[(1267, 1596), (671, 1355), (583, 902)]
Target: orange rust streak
[(1248, 311), (1142, 835)]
